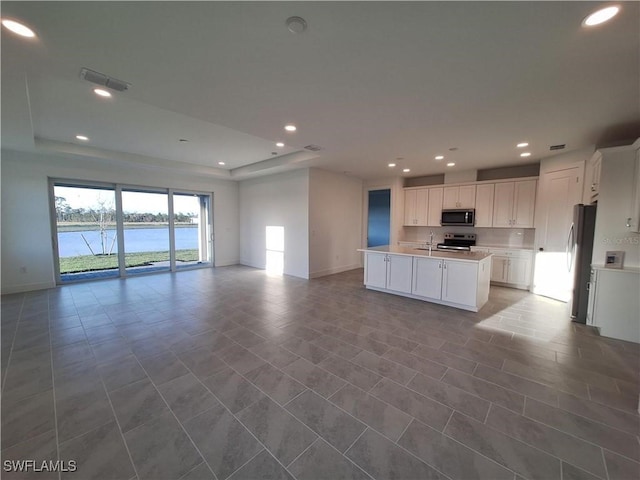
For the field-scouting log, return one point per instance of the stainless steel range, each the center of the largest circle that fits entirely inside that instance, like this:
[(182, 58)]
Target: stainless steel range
[(461, 242)]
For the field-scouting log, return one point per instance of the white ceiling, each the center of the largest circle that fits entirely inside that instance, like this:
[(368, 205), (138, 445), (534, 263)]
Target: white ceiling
[(368, 82)]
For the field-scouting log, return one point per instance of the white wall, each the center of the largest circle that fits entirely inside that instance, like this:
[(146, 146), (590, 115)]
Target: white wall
[(335, 222), (26, 227), (276, 200), (615, 206)]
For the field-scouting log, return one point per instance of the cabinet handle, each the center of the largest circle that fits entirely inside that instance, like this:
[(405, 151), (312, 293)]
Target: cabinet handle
[(439, 264)]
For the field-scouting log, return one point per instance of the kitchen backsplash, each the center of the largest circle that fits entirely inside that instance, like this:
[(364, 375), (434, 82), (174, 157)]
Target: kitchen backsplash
[(502, 237)]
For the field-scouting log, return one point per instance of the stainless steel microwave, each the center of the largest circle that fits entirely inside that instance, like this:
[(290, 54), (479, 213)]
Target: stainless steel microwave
[(463, 217)]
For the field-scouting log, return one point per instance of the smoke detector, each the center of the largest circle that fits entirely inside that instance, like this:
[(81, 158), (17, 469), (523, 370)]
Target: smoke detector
[(296, 24), (104, 80)]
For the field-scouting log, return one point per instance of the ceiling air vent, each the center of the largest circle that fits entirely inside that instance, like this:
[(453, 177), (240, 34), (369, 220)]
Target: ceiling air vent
[(557, 147), (104, 80), (313, 148)]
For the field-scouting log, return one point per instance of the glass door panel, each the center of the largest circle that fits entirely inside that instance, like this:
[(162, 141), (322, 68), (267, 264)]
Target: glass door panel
[(146, 231), (192, 227), (87, 246)]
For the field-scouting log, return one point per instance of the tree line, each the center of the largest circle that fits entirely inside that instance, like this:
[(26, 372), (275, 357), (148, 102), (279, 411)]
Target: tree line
[(107, 214)]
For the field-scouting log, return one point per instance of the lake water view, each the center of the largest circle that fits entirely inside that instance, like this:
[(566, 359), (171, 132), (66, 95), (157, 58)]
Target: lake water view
[(71, 244)]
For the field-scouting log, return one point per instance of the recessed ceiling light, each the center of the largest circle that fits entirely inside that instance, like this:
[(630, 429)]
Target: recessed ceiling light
[(601, 16), (522, 145), (101, 92), (221, 163), (525, 154), (290, 128), (392, 164), (280, 144), (406, 170), (82, 137), (440, 157), (451, 164), (18, 28)]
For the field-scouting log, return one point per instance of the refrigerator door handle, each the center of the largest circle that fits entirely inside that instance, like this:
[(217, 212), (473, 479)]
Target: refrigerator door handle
[(569, 249)]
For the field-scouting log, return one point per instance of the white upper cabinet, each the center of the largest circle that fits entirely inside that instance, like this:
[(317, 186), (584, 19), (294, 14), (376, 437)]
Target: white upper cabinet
[(524, 203), (507, 204), (459, 197), (484, 205), (415, 207), (635, 208), (514, 204), (594, 168), (434, 213)]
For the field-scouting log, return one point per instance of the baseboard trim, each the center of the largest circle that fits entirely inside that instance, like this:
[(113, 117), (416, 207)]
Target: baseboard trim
[(26, 287), (332, 271)]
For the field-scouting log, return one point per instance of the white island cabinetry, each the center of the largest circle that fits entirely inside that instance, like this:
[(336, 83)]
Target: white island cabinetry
[(389, 272), (459, 280)]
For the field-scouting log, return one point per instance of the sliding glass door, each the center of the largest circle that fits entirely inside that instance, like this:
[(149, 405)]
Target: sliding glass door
[(192, 227), (112, 230), (145, 220), (86, 241)]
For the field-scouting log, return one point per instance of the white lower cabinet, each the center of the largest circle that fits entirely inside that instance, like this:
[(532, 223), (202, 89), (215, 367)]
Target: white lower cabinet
[(399, 269), (451, 282), (457, 283), (511, 267), (427, 277), (614, 304), (391, 272), (460, 282), (375, 270)]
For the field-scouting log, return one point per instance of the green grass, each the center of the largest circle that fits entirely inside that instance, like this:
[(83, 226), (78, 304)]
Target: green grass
[(90, 263)]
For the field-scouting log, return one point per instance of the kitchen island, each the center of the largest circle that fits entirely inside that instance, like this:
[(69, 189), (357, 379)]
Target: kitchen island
[(456, 279)]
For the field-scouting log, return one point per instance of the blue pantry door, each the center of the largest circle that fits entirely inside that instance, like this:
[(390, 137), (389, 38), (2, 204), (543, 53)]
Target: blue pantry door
[(379, 220)]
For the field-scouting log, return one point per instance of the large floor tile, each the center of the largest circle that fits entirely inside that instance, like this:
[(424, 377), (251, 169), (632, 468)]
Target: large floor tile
[(321, 461), (121, 372), (225, 443), (234, 391), (277, 385), (283, 435), (355, 374), (449, 456), (426, 367), (487, 390), (335, 426), (187, 397), (161, 449), (424, 409), (507, 451), (136, 404), (612, 439), (382, 459), (378, 415), (40, 448), (314, 377), (98, 454), (262, 465), (453, 397), (566, 447), (274, 354)]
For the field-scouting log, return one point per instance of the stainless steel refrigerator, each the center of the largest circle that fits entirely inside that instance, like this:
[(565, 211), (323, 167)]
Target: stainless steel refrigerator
[(579, 251)]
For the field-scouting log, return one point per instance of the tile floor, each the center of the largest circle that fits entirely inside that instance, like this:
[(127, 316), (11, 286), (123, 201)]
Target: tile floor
[(230, 373)]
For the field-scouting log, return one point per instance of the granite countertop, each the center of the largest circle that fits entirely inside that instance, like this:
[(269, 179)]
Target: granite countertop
[(415, 252)]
